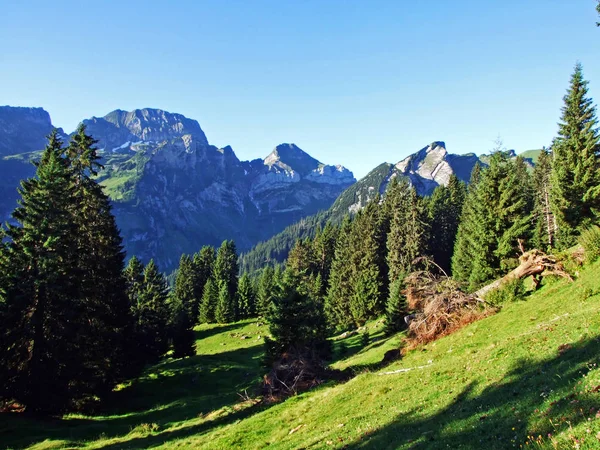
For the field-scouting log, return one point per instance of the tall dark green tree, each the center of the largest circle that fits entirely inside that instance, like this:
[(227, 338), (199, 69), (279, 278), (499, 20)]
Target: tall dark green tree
[(297, 326), (210, 298), (152, 315), (396, 308), (497, 218), (203, 267), (444, 210), (226, 276), (246, 297), (66, 322), (183, 305), (324, 251), (265, 291), (575, 179)]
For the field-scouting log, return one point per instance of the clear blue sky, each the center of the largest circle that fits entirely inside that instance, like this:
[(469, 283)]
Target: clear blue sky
[(350, 82)]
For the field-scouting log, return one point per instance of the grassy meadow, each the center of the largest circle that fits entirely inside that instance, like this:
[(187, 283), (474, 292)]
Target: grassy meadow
[(526, 377)]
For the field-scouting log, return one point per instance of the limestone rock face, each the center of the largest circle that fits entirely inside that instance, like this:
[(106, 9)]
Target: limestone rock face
[(172, 191)]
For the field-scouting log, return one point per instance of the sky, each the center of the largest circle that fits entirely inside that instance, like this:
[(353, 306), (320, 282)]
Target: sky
[(350, 82)]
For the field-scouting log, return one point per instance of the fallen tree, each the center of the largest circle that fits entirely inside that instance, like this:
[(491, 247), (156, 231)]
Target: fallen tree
[(533, 263)]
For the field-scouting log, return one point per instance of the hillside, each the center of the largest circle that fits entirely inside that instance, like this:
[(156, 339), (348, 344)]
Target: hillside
[(528, 375)]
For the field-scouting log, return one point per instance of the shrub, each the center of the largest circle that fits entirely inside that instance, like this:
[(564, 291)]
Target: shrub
[(590, 241), (509, 292)]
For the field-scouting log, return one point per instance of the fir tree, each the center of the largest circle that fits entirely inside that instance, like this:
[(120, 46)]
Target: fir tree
[(575, 179), (226, 308), (226, 274), (297, 326), (152, 316), (444, 209), (203, 267), (210, 298), (183, 309), (265, 291), (396, 308), (246, 297), (324, 251)]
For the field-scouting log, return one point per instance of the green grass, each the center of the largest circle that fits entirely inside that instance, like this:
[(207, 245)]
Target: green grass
[(527, 376)]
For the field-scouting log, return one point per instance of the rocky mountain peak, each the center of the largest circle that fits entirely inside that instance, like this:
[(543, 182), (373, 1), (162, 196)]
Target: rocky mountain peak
[(119, 129), (23, 129), (290, 157)]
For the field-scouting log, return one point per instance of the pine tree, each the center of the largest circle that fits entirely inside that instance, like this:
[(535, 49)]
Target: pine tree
[(407, 237), (396, 308), (225, 311), (462, 256), (323, 248), (226, 274), (210, 298), (575, 179), (152, 315), (444, 209), (337, 308), (203, 267), (499, 216), (68, 324), (297, 326), (265, 291), (183, 309), (246, 297)]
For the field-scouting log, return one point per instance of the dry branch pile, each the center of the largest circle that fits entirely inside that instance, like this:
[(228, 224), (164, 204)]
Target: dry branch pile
[(443, 307), (291, 374)]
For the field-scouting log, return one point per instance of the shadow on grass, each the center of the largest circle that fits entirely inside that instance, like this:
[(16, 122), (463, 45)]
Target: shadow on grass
[(203, 334), (170, 393), (505, 414)]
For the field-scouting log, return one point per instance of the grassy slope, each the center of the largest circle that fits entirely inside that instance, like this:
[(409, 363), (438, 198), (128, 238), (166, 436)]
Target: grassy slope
[(527, 374)]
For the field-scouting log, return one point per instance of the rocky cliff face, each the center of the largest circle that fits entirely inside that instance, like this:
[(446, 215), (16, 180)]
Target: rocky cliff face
[(429, 167), (172, 191)]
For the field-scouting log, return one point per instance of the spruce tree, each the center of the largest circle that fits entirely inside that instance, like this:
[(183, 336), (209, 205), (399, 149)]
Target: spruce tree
[(297, 326), (210, 298), (152, 315), (396, 308), (575, 179), (246, 297), (225, 311), (203, 267), (444, 209), (265, 291), (226, 274), (323, 249), (183, 309), (337, 308), (63, 265)]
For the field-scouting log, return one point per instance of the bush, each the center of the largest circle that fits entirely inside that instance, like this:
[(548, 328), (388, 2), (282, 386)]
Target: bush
[(590, 241), (509, 292)]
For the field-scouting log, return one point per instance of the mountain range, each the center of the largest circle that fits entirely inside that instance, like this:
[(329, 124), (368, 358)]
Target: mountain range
[(173, 191)]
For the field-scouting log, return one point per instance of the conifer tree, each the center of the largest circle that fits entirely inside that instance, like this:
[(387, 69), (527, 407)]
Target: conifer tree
[(396, 308), (337, 308), (297, 326), (444, 209), (462, 256), (575, 179), (246, 297), (183, 309), (203, 267), (226, 274), (497, 215), (67, 332), (324, 251), (225, 311), (265, 291), (210, 298), (152, 315), (406, 239)]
